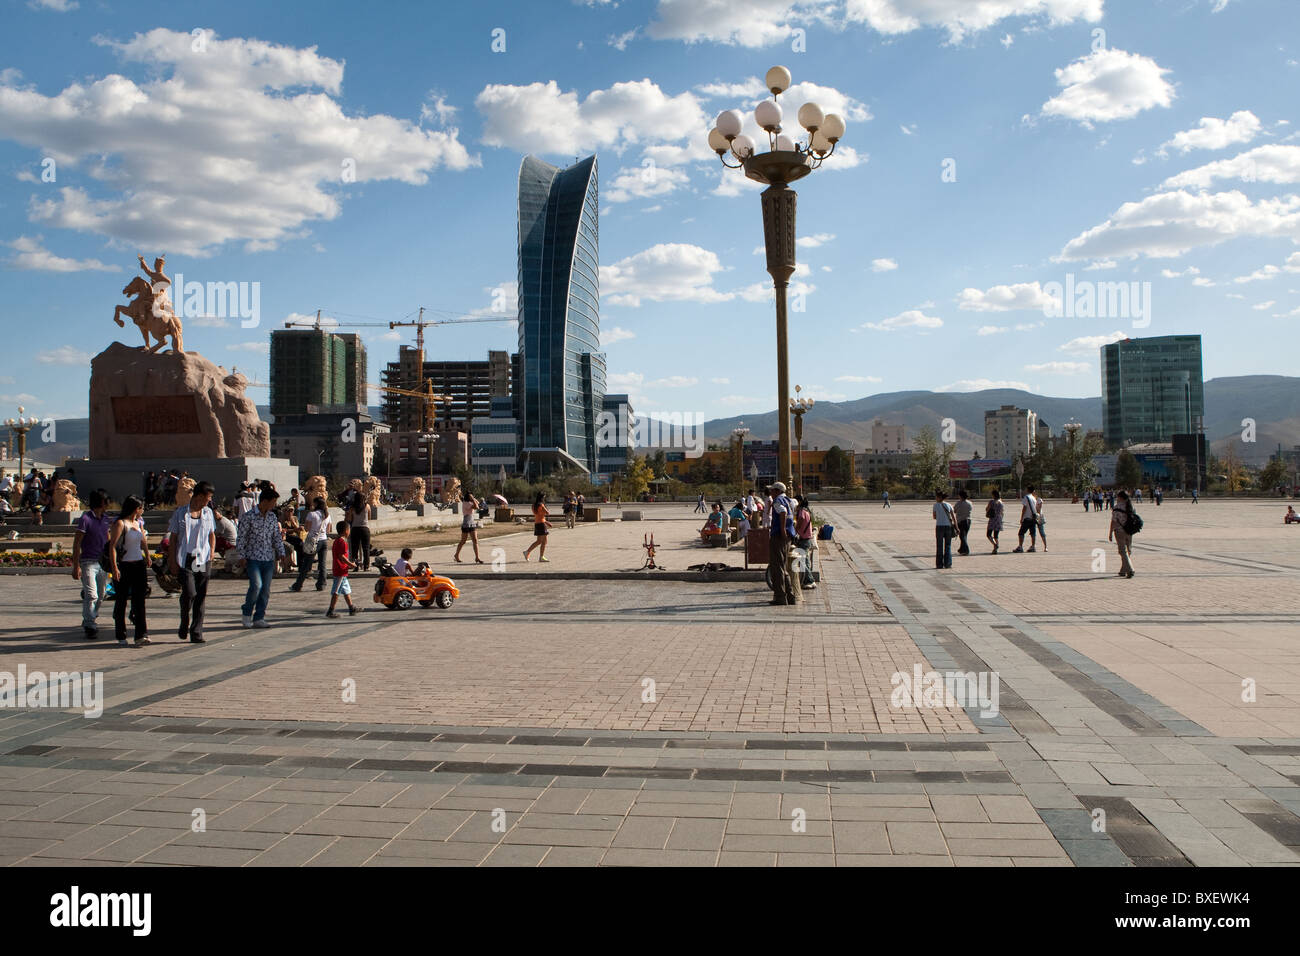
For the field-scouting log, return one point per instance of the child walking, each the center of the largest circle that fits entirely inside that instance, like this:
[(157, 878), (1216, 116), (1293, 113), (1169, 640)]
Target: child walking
[(342, 565)]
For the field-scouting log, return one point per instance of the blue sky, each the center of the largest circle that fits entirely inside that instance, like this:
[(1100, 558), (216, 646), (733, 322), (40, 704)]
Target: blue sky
[(993, 147)]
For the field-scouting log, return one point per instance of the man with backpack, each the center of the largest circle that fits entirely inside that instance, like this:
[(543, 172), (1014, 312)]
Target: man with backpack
[(1124, 523)]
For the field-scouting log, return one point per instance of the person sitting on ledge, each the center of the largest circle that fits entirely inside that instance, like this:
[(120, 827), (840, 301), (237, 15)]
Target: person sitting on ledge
[(716, 523), (1291, 517)]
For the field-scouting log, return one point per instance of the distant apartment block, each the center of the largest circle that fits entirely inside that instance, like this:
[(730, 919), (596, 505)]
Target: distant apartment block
[(1009, 431), (887, 438)]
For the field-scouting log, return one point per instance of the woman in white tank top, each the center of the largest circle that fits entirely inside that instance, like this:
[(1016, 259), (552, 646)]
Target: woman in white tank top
[(468, 526), (128, 551)]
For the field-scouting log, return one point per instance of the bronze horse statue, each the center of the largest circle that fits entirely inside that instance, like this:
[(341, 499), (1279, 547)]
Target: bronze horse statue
[(140, 310)]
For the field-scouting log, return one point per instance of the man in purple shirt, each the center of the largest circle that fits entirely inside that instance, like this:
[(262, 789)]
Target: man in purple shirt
[(87, 549)]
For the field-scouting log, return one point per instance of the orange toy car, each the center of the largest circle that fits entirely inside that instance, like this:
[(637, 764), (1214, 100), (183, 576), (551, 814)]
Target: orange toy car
[(397, 592)]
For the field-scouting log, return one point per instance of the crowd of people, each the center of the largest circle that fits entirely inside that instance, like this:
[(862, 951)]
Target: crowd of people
[(256, 530), (952, 520), (787, 521)]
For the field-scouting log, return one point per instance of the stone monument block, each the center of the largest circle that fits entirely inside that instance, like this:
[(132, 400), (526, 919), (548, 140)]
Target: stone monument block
[(170, 405)]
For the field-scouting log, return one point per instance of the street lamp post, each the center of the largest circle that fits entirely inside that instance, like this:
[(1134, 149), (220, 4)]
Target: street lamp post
[(1019, 469), (739, 432), (785, 162), (20, 426), (798, 406), (1072, 428)]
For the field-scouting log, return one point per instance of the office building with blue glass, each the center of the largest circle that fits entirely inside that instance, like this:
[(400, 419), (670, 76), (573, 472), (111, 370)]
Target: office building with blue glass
[(1151, 389), (562, 368)]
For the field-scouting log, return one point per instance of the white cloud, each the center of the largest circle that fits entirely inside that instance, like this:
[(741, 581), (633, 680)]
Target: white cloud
[(643, 182), (883, 265), (1263, 164), (540, 118), (992, 329), (64, 355), (1260, 307), (674, 381), (858, 379), (1108, 85), (1060, 368), (1090, 343), (58, 6), (1213, 133), (1189, 271), (263, 348), (1005, 298), (1233, 295), (815, 240), (1027, 326), (980, 385), (1100, 264), (749, 89), (620, 41), (963, 17), (35, 257), (1203, 282), (218, 136), (911, 319), (1292, 263), (610, 335), (720, 381), (908, 130), (1294, 313), (759, 23), (1170, 224), (1265, 272), (667, 272), (503, 300)]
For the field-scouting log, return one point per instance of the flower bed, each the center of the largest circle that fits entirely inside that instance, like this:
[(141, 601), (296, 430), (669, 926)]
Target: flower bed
[(35, 559)]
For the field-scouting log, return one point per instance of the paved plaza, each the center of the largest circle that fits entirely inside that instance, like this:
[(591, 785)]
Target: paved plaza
[(555, 720)]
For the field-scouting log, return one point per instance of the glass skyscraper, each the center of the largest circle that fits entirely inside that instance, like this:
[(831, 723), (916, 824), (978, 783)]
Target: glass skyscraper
[(1151, 389), (559, 315)]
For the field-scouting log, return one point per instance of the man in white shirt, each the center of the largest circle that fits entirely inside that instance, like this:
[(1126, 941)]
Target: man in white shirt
[(191, 543), (1028, 521)]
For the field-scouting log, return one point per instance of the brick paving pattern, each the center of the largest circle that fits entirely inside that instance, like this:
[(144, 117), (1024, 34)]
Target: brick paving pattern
[(516, 729)]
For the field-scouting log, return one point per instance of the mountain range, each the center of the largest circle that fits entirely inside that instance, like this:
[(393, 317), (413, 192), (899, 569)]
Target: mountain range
[(1271, 401)]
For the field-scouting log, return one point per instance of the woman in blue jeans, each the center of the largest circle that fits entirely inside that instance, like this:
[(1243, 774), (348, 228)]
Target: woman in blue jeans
[(315, 539), (945, 526)]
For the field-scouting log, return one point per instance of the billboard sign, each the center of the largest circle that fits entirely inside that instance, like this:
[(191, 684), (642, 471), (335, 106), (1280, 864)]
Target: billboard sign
[(979, 468)]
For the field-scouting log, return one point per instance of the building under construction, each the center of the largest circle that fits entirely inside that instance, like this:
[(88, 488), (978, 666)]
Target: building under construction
[(470, 387)]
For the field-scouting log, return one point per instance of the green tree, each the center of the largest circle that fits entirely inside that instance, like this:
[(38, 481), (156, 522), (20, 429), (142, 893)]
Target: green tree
[(659, 463), (929, 463), (1272, 475), (1128, 473), (839, 467), (634, 480)]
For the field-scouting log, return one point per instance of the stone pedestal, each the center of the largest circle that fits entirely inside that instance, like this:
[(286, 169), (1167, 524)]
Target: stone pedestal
[(169, 405), (125, 476)]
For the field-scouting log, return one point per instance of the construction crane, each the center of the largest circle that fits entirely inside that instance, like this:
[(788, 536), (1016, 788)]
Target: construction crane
[(425, 393), (420, 323)]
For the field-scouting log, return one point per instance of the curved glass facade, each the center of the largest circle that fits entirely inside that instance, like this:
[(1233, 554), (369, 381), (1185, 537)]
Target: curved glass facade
[(559, 313)]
